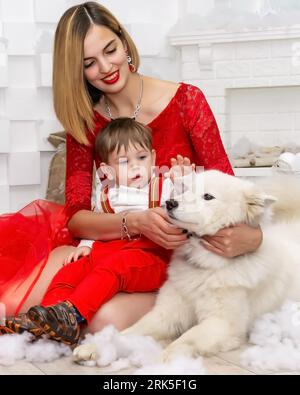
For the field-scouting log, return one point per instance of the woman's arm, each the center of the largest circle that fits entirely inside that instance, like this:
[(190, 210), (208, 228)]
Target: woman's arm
[(79, 177), (96, 226), (152, 223)]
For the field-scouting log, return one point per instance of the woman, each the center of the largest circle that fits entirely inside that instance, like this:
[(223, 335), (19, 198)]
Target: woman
[(96, 80)]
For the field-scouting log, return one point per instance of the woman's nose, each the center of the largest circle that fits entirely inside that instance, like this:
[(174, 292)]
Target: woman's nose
[(171, 204), (104, 66)]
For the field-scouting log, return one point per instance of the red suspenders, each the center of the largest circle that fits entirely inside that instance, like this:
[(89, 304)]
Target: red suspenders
[(155, 190), (106, 207)]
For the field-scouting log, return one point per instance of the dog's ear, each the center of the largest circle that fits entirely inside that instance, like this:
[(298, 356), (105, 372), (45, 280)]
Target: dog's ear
[(257, 202)]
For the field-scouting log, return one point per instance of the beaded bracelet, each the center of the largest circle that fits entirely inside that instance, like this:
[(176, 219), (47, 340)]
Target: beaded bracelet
[(124, 229)]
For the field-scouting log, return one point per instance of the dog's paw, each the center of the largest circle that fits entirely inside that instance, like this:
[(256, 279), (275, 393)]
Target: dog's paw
[(166, 357), (210, 346), (172, 352), (232, 343), (85, 352)]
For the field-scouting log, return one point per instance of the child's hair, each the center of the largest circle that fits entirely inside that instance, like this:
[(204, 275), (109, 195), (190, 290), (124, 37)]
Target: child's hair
[(122, 132)]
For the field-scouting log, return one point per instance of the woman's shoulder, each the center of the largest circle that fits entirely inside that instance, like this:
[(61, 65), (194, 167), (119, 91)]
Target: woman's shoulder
[(181, 92), (190, 98), (190, 92), (171, 89), (162, 93), (160, 90)]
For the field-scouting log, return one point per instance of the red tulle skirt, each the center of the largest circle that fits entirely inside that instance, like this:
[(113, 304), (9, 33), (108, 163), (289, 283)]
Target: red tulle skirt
[(26, 239)]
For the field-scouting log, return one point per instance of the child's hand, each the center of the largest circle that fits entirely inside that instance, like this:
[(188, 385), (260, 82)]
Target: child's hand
[(79, 252), (180, 167)]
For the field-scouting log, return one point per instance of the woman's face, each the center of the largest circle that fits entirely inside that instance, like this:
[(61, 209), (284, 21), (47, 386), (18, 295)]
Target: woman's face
[(105, 60)]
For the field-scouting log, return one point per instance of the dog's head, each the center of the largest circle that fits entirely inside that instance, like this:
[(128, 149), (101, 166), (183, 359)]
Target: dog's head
[(215, 200)]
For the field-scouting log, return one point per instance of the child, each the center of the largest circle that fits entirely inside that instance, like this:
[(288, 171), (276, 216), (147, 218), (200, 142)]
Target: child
[(131, 264)]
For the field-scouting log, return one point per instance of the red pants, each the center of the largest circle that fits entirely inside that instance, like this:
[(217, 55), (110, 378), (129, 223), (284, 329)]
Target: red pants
[(112, 267)]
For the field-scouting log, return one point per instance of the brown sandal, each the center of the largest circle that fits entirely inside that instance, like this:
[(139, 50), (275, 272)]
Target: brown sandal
[(57, 321), (19, 324)]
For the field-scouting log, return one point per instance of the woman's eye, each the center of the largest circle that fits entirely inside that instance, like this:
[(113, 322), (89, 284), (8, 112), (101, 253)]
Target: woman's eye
[(207, 196), (143, 157), (86, 66), (111, 51)]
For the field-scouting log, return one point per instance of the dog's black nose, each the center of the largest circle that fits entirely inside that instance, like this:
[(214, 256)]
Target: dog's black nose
[(171, 204)]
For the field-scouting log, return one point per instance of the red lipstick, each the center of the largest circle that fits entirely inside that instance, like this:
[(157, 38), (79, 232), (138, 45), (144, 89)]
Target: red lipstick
[(115, 78)]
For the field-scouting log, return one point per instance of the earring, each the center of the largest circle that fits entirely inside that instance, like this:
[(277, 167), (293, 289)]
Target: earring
[(131, 65)]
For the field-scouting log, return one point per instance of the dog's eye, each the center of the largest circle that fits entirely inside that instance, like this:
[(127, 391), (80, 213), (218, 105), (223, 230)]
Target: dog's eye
[(207, 196)]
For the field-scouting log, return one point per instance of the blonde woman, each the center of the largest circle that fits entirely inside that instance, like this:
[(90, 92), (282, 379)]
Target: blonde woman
[(96, 79)]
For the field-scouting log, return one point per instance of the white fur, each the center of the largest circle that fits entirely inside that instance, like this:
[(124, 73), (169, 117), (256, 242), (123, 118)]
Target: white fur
[(209, 303)]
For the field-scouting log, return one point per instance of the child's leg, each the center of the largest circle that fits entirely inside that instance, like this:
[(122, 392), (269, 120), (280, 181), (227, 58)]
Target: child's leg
[(57, 317), (65, 281), (123, 271)]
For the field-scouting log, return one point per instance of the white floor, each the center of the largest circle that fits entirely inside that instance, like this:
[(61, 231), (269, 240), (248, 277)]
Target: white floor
[(226, 364)]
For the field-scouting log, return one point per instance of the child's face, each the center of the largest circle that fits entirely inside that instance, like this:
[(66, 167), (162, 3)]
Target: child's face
[(132, 168)]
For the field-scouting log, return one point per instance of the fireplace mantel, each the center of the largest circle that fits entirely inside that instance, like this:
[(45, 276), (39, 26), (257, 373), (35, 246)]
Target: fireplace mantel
[(205, 40), (221, 36)]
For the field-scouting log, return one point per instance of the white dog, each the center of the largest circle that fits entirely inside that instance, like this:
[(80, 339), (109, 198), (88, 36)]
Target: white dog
[(208, 302)]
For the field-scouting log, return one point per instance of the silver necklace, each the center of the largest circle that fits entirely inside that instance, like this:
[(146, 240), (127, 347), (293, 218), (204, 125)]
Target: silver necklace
[(137, 107)]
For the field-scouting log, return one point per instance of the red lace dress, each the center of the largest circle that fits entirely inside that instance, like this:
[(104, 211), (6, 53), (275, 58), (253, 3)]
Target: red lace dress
[(186, 126)]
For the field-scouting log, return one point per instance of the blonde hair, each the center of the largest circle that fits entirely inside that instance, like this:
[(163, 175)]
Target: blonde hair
[(122, 132), (73, 96)]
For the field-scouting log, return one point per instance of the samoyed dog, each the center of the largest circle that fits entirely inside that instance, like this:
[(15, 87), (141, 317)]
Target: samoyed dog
[(208, 303)]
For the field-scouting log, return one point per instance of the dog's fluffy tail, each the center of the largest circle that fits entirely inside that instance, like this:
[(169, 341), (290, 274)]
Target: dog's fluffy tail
[(286, 189)]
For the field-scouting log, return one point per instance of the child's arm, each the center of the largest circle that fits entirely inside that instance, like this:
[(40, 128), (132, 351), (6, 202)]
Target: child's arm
[(83, 249), (180, 167), (179, 179)]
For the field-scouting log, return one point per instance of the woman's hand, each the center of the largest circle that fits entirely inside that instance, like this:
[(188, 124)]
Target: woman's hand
[(154, 224), (231, 242)]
